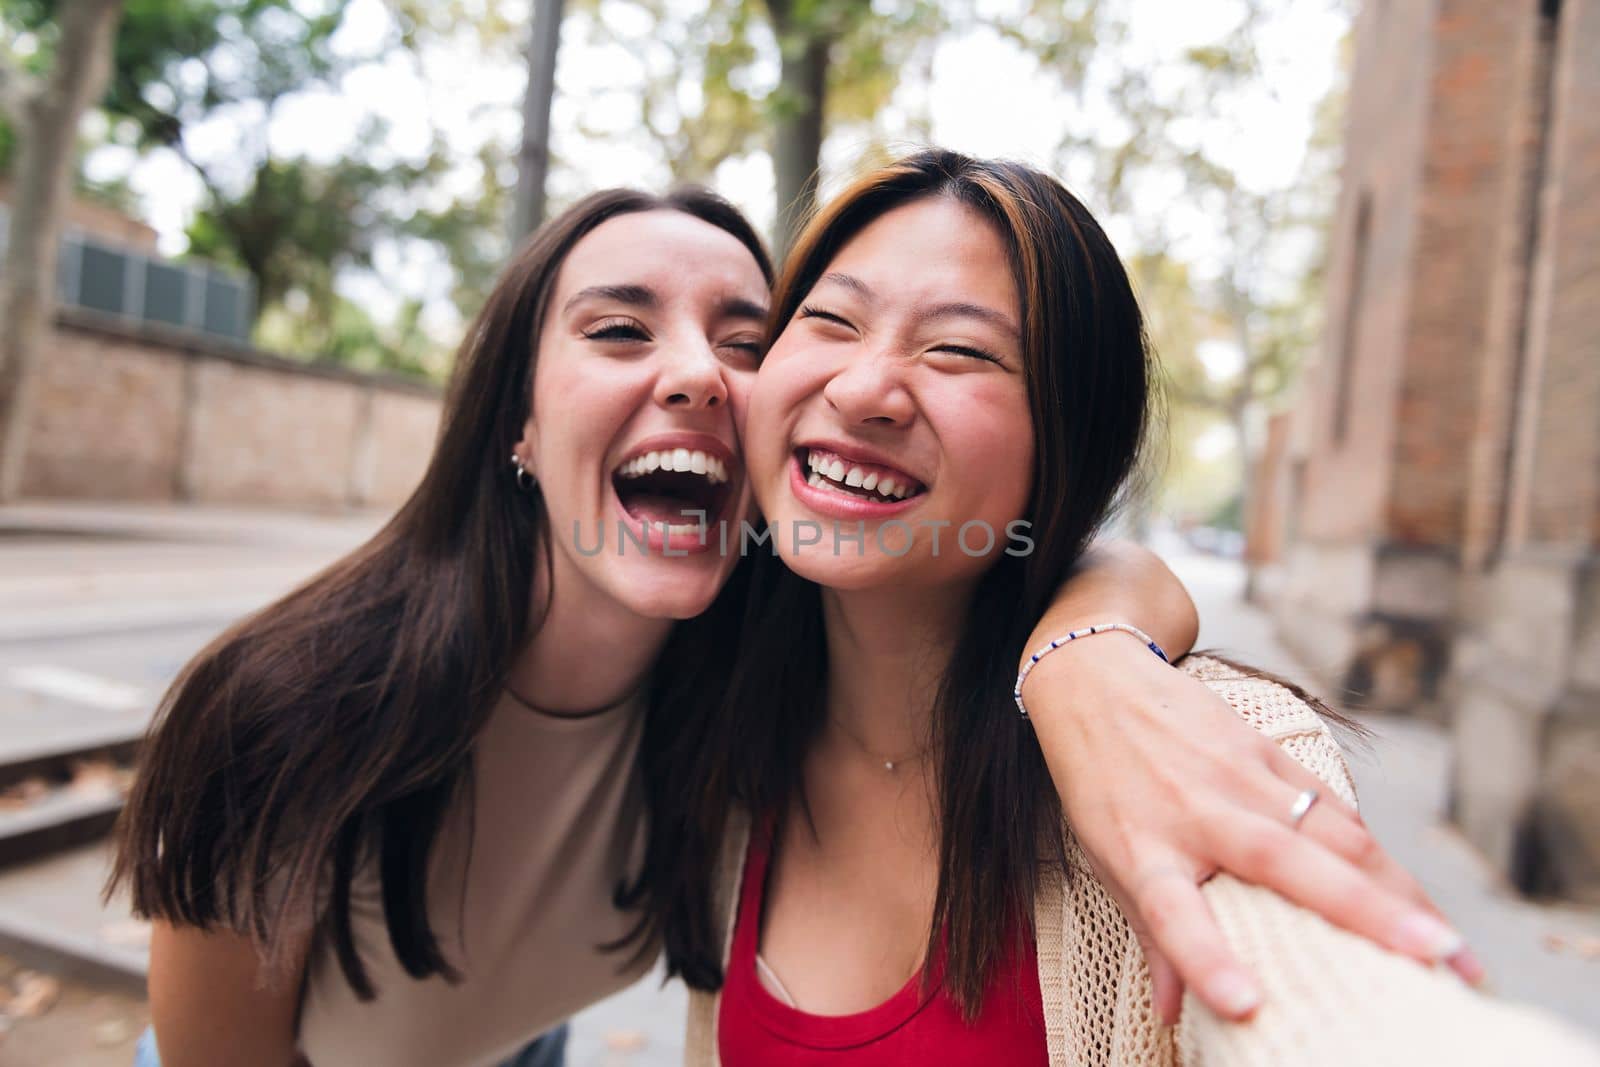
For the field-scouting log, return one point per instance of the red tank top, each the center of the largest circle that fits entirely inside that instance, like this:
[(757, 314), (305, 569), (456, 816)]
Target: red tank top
[(914, 1027)]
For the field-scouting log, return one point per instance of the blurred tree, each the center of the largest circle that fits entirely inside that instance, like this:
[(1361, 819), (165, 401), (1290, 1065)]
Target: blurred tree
[(350, 336), (293, 224), (473, 230), (533, 157), (838, 63), (699, 102), (298, 223), (24, 25), (1266, 295), (1251, 291), (44, 104)]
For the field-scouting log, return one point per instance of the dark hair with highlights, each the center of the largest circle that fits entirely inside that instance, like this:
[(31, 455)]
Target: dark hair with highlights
[(336, 727), (1090, 377)]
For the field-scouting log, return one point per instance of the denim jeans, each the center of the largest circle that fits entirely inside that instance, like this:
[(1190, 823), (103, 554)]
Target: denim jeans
[(547, 1051)]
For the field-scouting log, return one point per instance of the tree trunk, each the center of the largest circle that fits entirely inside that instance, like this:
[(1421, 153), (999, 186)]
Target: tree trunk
[(797, 126), (533, 161), (47, 135)]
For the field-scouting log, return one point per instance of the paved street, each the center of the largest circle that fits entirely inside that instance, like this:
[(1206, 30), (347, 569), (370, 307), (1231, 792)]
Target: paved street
[(102, 606)]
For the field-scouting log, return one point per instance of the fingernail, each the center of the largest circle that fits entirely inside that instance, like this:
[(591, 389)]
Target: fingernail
[(1469, 967), (1234, 993), (1421, 934)]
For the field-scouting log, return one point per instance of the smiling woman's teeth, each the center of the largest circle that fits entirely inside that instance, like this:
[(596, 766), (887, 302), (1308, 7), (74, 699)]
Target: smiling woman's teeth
[(676, 459), (836, 476)]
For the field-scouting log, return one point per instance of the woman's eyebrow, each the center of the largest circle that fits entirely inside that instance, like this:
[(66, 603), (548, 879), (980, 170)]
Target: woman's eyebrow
[(850, 282), (948, 310), (963, 310), (737, 307), (637, 295)]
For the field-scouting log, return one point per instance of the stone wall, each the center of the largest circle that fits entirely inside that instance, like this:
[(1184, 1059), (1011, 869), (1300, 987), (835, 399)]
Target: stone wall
[(1526, 676), (1439, 511), (147, 414)]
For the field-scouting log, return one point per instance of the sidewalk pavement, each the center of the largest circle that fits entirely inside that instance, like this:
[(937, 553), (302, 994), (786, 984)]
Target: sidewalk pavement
[(84, 572), (73, 569)]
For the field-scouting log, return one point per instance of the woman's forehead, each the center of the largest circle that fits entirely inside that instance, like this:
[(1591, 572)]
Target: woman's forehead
[(928, 250), (667, 251)]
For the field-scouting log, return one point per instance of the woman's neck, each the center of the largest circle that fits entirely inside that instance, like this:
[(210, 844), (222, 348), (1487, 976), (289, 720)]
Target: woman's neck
[(589, 651), (887, 652)]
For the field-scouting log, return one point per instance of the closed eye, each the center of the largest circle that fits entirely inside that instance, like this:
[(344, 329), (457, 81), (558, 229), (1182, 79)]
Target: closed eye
[(809, 312), (751, 347), (616, 330), (973, 353)]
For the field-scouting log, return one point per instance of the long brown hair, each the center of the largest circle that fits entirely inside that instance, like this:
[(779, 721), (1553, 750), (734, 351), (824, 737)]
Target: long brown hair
[(1090, 375), (335, 727)]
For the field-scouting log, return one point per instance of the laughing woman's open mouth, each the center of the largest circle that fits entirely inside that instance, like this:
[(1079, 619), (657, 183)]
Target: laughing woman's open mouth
[(673, 493)]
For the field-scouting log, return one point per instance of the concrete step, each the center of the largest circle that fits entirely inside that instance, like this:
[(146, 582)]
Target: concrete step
[(52, 918), (64, 790), (52, 757), (61, 819)]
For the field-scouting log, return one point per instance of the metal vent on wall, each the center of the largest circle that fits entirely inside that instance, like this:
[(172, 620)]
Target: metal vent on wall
[(186, 294)]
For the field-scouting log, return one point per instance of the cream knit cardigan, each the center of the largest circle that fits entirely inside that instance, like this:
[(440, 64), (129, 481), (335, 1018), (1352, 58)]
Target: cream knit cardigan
[(1330, 997)]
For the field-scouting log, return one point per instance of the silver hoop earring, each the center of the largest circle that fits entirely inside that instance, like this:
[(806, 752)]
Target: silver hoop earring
[(525, 481)]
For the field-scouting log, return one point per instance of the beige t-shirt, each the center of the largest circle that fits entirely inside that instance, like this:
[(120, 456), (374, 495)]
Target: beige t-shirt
[(560, 820)]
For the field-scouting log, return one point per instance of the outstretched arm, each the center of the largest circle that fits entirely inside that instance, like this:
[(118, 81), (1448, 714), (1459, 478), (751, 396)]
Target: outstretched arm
[(1331, 998), (1164, 785)]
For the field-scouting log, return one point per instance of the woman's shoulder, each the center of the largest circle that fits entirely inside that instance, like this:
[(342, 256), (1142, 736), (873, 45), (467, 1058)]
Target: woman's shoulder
[(1294, 718), (1271, 704)]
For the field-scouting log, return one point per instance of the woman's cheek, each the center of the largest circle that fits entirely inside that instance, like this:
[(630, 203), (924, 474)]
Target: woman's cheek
[(988, 431)]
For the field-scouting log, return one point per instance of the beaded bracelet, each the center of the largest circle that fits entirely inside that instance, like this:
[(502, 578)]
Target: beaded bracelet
[(1104, 627)]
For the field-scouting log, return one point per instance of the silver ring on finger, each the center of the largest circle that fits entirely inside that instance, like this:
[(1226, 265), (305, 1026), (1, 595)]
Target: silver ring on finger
[(1301, 805)]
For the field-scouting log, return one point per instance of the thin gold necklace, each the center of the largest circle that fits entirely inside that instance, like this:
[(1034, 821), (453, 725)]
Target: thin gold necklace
[(877, 757)]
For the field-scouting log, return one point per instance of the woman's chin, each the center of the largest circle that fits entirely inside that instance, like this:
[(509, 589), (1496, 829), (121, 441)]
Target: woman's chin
[(669, 592), (821, 565)]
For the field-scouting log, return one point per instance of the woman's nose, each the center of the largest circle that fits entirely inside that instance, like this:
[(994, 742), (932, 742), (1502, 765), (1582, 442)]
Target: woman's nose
[(870, 390), (692, 379)]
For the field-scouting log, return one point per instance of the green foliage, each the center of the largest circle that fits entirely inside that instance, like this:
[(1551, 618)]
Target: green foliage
[(1229, 515), (497, 28), (349, 336), (717, 97), (871, 54), (471, 229), (27, 44), (293, 224), (1256, 284), (697, 102)]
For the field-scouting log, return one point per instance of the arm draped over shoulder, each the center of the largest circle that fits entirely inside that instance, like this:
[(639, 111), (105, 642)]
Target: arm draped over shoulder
[(1330, 997)]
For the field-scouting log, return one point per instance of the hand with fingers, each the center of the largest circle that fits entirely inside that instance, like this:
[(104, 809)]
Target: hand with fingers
[(1164, 784)]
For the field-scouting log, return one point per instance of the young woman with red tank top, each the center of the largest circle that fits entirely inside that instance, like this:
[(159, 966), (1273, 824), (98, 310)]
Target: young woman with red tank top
[(761, 1027), (963, 331)]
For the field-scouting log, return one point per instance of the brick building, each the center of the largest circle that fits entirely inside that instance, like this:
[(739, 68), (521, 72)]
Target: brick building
[(1437, 499)]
